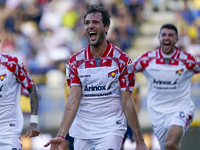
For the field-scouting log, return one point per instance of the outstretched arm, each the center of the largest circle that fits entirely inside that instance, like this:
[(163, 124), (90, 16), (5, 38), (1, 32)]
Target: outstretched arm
[(71, 108), (131, 115), (33, 129)]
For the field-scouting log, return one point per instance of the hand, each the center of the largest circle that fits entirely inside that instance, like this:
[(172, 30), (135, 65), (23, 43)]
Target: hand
[(141, 146), (33, 130), (57, 143)]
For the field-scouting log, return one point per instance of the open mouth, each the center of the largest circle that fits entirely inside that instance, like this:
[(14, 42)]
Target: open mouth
[(166, 44), (92, 35)]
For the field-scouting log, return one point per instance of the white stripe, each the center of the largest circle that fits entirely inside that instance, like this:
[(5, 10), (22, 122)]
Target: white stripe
[(109, 50)]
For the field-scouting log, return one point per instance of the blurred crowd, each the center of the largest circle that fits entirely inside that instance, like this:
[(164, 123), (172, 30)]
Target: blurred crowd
[(188, 21), (43, 33)]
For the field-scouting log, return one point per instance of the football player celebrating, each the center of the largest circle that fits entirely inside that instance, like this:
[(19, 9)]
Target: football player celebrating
[(168, 71), (100, 80)]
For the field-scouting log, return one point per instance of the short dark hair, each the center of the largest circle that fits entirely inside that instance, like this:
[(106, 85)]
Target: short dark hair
[(170, 26), (99, 9)]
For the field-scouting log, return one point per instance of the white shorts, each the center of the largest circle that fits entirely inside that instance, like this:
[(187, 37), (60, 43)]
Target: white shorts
[(182, 119), (13, 143), (111, 142)]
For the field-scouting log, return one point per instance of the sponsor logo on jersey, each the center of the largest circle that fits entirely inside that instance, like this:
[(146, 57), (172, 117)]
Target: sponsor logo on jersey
[(2, 77), (179, 71), (99, 94), (113, 73), (118, 122), (165, 82), (12, 125), (95, 88), (84, 76), (154, 70)]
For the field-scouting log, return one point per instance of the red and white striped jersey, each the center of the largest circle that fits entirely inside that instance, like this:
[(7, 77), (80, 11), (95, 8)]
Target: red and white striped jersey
[(168, 82), (102, 80), (12, 76)]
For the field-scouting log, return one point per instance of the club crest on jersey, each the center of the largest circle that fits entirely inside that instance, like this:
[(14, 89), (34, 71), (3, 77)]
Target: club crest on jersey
[(179, 71), (2, 77), (113, 73)]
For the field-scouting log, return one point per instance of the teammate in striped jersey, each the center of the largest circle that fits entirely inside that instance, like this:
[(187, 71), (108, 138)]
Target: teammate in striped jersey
[(13, 75), (168, 71)]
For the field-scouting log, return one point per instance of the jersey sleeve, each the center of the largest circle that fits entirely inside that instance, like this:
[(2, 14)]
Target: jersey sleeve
[(22, 76), (127, 77), (193, 63), (141, 62), (72, 73)]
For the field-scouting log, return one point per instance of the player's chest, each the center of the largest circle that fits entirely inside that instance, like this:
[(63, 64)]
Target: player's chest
[(166, 72), (98, 75), (7, 83), (6, 77)]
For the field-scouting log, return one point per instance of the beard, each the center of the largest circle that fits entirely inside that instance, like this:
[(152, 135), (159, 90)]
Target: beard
[(99, 40), (167, 51)]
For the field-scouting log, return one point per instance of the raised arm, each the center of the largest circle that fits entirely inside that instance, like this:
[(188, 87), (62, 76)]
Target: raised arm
[(33, 129), (131, 115), (70, 110)]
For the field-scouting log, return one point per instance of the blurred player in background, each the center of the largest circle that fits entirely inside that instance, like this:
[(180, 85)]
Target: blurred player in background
[(168, 72), (13, 75)]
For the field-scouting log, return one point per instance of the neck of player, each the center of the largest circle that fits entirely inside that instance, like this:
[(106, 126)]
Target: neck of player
[(98, 51)]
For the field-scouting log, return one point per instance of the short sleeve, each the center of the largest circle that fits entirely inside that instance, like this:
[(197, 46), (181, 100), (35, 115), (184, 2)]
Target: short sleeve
[(72, 73), (127, 78), (22, 76)]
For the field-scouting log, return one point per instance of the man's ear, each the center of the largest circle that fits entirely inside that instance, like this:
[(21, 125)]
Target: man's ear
[(159, 37), (106, 29), (177, 40)]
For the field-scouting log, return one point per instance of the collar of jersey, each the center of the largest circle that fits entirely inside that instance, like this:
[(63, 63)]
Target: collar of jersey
[(173, 56), (104, 54)]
